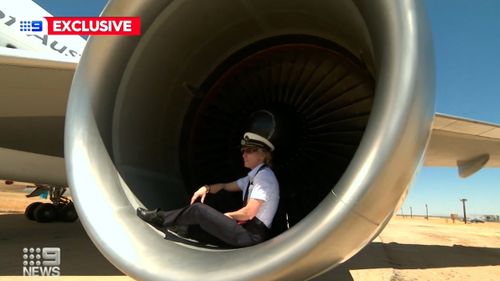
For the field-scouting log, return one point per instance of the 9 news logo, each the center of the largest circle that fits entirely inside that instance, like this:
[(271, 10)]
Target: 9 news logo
[(31, 26), (42, 261)]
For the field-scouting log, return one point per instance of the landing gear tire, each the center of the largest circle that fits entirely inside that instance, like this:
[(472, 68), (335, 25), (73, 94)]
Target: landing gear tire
[(45, 212), (30, 210), (67, 213)]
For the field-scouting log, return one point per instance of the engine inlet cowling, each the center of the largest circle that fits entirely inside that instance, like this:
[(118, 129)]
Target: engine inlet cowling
[(349, 86)]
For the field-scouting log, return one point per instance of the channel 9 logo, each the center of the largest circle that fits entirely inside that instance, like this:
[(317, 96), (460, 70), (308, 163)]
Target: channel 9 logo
[(31, 26), (42, 261)]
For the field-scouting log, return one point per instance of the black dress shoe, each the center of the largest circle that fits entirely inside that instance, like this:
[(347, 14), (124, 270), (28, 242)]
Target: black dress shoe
[(150, 216)]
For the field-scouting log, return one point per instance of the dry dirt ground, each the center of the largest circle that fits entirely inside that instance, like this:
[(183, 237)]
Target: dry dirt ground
[(408, 249)]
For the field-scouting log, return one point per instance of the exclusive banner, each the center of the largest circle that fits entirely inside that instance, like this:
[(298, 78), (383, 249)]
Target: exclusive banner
[(128, 26)]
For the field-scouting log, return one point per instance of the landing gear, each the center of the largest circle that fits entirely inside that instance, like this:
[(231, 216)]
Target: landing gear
[(30, 210), (45, 212), (67, 212), (61, 208)]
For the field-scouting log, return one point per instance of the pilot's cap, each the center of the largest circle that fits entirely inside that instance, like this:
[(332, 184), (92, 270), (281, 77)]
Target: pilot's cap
[(254, 140)]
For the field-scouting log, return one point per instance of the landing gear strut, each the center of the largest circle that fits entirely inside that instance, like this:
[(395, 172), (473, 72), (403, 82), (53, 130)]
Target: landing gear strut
[(61, 208)]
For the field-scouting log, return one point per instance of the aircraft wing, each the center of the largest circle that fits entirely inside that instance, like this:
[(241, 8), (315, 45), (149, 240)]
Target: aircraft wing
[(35, 76), (33, 96), (465, 143)]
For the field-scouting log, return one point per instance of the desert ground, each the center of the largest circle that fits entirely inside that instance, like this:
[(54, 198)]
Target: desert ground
[(408, 249)]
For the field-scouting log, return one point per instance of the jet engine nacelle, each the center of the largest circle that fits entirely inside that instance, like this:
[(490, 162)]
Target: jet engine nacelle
[(151, 118)]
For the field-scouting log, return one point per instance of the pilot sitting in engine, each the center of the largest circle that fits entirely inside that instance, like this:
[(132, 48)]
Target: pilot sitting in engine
[(246, 226)]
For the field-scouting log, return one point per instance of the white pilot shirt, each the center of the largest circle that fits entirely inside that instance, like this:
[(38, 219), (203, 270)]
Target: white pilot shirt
[(264, 187)]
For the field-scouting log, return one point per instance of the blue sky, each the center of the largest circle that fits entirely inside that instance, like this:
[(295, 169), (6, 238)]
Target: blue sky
[(466, 37)]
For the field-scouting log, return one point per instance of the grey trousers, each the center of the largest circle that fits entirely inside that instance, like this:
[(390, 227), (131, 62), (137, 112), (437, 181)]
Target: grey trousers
[(213, 222)]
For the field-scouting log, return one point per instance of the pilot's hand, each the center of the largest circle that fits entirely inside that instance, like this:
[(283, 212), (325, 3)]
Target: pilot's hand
[(201, 192)]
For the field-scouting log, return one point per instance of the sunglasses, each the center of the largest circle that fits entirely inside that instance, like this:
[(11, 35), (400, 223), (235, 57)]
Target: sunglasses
[(249, 150)]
